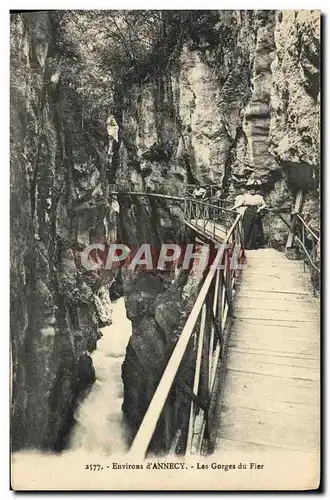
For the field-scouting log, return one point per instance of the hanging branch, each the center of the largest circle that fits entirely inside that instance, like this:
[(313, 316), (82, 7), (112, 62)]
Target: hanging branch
[(123, 41)]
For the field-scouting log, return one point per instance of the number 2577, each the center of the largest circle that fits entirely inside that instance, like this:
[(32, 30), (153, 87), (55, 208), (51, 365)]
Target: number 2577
[(93, 467)]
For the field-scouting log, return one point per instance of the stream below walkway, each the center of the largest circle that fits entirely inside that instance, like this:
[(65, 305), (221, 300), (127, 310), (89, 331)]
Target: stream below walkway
[(99, 417)]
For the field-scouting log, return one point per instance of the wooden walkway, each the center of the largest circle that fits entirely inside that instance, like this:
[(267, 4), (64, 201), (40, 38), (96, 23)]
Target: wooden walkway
[(210, 230), (271, 392)]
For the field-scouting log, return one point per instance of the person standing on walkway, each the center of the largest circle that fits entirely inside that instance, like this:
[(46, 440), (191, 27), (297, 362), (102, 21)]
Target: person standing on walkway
[(199, 193), (251, 205), (216, 197)]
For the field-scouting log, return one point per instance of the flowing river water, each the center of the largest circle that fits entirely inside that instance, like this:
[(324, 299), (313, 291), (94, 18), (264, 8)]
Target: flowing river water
[(99, 431), (99, 425)]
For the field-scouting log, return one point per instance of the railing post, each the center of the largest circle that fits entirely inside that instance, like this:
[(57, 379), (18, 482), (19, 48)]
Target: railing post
[(214, 306), (303, 240), (205, 359), (214, 223), (229, 285), (290, 239), (185, 209), (221, 301), (313, 250), (297, 206), (204, 212), (198, 367)]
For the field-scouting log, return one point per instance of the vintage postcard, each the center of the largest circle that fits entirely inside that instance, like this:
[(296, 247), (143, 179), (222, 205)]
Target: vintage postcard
[(165, 250)]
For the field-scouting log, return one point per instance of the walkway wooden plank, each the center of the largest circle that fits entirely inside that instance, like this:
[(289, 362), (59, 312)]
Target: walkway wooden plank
[(265, 287), (269, 428), (284, 334), (277, 322), (276, 304), (257, 294), (273, 314), (209, 229), (261, 343), (254, 359), (271, 393), (275, 290), (272, 322), (275, 354), (298, 329), (234, 445), (276, 282), (275, 344), (274, 370), (276, 406)]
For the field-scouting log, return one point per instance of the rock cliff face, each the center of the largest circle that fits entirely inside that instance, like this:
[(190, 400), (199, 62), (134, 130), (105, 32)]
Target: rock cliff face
[(56, 307), (294, 135), (238, 98), (153, 298), (234, 107)]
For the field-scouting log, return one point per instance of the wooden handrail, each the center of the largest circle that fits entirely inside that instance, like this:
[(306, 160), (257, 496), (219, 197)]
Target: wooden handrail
[(295, 236), (210, 205), (186, 190), (308, 228), (279, 215), (146, 430), (141, 193), (307, 255), (197, 209)]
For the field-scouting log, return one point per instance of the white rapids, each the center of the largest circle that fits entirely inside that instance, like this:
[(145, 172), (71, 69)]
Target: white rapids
[(99, 425)]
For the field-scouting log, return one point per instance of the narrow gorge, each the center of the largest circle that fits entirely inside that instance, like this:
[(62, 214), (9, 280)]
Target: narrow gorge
[(200, 97)]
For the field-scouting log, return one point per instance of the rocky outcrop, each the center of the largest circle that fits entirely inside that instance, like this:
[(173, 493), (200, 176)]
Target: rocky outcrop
[(257, 112), (56, 306), (295, 93), (294, 136), (214, 86)]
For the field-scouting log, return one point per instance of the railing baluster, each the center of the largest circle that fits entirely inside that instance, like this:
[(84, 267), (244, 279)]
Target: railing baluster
[(303, 240), (219, 316), (196, 378), (221, 295), (204, 389), (215, 307), (214, 223), (224, 290), (229, 285)]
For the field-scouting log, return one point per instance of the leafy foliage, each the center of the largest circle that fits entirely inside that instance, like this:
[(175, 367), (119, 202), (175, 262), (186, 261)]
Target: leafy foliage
[(105, 51), (100, 55)]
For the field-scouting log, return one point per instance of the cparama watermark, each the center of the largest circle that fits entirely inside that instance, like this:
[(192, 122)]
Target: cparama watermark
[(169, 255)]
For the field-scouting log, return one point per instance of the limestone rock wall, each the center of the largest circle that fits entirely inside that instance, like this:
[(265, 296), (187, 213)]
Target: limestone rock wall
[(56, 306), (257, 112), (240, 102), (156, 302), (294, 135), (295, 92)]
